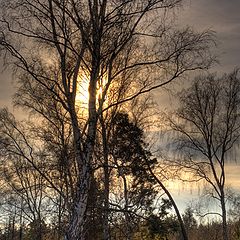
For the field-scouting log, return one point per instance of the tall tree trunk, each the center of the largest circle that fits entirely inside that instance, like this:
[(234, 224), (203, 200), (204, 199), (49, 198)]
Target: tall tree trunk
[(77, 229), (128, 232), (21, 221), (224, 216), (77, 226), (106, 234)]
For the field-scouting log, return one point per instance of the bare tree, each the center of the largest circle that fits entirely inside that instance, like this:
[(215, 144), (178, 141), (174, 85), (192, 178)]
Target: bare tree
[(23, 175), (55, 44), (208, 124)]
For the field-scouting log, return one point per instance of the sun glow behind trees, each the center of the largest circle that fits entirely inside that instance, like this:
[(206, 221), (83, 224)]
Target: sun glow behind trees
[(82, 95)]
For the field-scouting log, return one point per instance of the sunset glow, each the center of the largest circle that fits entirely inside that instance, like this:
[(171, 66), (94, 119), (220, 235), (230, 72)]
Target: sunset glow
[(82, 95)]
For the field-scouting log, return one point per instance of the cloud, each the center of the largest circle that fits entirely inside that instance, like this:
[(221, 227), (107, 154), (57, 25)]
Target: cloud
[(212, 13), (232, 176), (6, 88), (221, 16)]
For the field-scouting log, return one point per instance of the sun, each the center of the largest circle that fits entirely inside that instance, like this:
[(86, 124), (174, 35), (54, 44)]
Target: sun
[(82, 95)]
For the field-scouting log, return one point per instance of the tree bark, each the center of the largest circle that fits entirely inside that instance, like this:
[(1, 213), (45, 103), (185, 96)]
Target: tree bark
[(126, 213), (77, 226), (106, 234), (224, 216)]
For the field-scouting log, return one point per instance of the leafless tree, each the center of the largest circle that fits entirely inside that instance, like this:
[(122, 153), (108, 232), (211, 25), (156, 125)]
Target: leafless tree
[(23, 176), (55, 44), (208, 124)]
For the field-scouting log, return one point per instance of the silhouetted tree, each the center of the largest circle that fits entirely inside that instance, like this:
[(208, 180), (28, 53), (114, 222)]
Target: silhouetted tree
[(189, 221), (208, 123), (163, 224), (129, 155)]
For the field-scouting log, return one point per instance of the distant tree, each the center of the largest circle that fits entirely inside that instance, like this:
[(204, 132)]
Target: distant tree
[(234, 202), (37, 230), (163, 224), (208, 124), (212, 230), (189, 221), (234, 212)]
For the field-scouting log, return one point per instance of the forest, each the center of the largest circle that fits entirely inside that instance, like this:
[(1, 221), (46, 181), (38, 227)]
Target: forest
[(91, 154)]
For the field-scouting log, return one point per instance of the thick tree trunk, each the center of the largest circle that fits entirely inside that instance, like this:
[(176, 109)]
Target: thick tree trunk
[(75, 230), (77, 226)]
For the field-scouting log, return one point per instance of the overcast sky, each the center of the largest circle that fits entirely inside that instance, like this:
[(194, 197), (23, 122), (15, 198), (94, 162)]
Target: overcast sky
[(222, 16)]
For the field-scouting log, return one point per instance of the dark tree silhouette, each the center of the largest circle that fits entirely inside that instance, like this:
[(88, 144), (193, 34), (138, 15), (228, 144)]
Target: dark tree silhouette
[(208, 123), (129, 153)]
